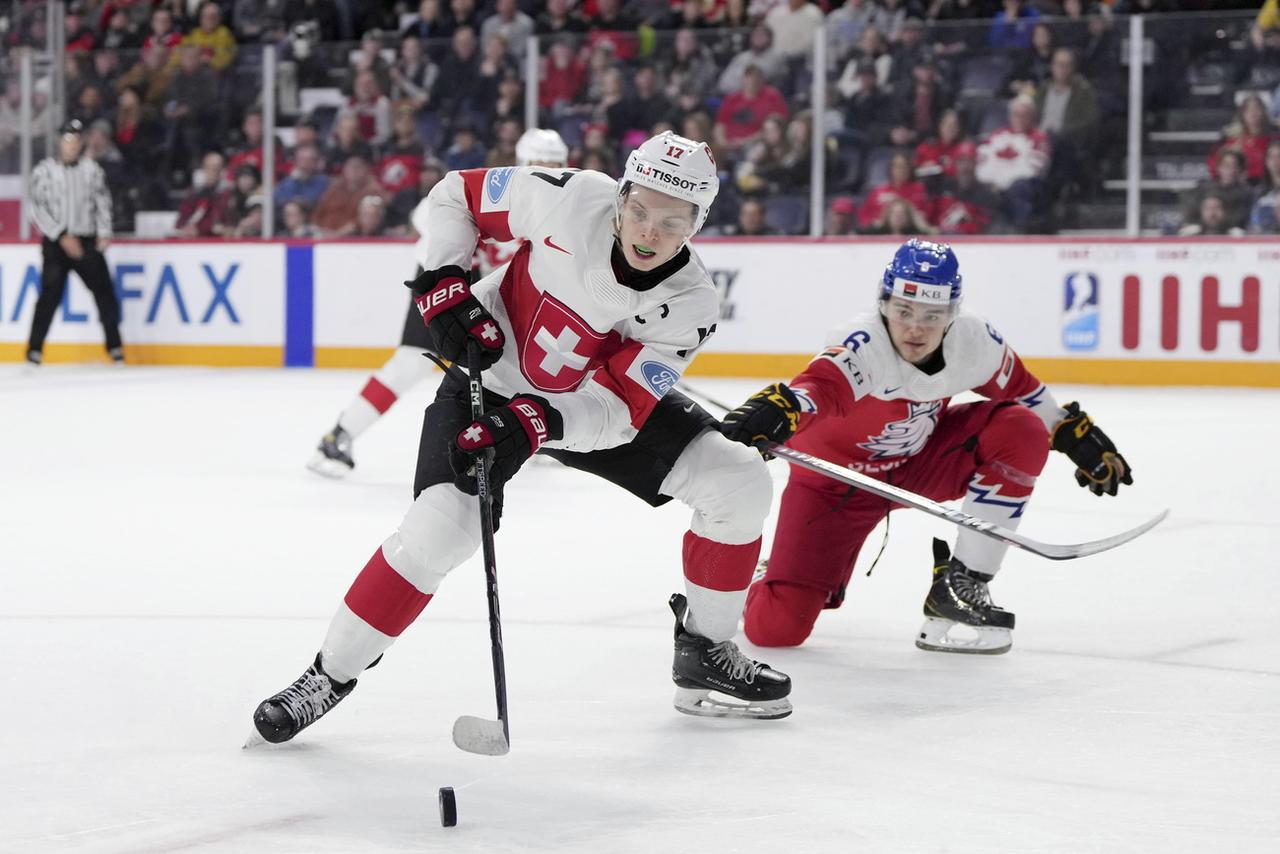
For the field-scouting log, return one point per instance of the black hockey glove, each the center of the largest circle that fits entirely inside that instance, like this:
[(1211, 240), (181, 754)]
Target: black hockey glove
[(514, 431), (1101, 468), (770, 415), (453, 316)]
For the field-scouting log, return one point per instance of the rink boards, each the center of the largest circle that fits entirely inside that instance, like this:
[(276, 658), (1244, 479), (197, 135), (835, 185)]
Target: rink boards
[(1098, 311)]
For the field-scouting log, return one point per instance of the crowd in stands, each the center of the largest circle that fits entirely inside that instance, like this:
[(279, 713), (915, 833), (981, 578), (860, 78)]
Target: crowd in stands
[(941, 116)]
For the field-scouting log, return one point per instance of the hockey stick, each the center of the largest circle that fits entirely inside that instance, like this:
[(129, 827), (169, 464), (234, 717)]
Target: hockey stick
[(956, 517), (471, 733)]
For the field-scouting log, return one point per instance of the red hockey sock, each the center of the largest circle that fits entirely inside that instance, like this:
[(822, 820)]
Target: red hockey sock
[(379, 396), (383, 598)]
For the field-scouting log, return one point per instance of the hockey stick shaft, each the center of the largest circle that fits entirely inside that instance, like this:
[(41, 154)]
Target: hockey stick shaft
[(959, 518), (483, 488)]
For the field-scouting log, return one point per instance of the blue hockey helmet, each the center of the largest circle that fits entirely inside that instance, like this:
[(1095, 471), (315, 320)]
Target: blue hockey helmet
[(923, 272)]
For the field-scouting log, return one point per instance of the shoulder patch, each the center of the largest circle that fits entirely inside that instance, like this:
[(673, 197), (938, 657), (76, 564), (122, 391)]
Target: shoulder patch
[(496, 182), (658, 377)]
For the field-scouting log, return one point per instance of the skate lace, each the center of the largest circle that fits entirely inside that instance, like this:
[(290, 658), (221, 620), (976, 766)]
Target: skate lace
[(731, 660), (972, 591), (308, 698)]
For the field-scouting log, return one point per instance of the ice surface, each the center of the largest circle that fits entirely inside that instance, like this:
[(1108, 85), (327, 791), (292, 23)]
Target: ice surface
[(166, 561)]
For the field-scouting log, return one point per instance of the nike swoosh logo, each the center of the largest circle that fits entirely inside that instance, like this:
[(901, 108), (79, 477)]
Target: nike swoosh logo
[(689, 408), (892, 390), (548, 242)]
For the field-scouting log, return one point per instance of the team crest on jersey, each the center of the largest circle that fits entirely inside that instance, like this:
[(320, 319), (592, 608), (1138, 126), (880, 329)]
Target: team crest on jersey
[(496, 182), (906, 437), (559, 348)]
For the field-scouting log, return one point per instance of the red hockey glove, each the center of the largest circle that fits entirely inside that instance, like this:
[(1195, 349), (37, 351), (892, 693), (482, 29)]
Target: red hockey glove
[(770, 415), (1101, 468), (514, 431), (453, 316)]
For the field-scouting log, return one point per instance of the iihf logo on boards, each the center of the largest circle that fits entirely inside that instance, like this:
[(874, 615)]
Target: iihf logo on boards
[(1080, 312)]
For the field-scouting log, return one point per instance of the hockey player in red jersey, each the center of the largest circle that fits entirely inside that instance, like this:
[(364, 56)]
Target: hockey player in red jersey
[(877, 400), (407, 366), (582, 336)]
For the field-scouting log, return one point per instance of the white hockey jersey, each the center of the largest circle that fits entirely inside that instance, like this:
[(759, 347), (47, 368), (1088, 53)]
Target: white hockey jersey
[(601, 352), (490, 254), (868, 408)]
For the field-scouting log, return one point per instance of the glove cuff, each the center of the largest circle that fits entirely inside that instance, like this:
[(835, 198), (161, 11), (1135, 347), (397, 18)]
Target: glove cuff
[(541, 421), (428, 279)]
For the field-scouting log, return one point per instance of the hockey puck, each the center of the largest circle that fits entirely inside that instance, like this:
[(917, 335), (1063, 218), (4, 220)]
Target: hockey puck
[(448, 807)]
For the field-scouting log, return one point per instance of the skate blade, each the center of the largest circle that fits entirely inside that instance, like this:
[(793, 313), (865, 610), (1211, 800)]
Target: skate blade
[(480, 735), (936, 636), (255, 739), (703, 703), (325, 467)]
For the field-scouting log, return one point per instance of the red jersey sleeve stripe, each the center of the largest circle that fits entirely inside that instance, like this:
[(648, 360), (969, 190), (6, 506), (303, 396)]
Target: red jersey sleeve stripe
[(492, 224), (613, 376)]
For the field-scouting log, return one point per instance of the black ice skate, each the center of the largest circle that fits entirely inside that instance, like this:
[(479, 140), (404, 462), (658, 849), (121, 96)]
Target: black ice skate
[(702, 667), (333, 455), (282, 716), (116, 354), (959, 600)]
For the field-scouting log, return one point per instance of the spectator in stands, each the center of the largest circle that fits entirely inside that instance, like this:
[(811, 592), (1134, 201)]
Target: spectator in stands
[(458, 88), (1011, 27), (191, 107), (1211, 219), (1263, 217), (901, 185), (638, 112), (414, 74), (505, 136), (1229, 186), (512, 25), (964, 205), (1250, 134), (935, 158), (307, 182), (751, 221), (106, 69), (79, 30), (150, 76), (873, 51), (760, 54), (564, 73), (793, 23), (162, 33), (429, 24), (402, 156), (959, 32), (198, 212), (842, 217), (400, 208), (691, 64), (239, 210), (613, 23), (322, 14), (909, 52), (761, 161), (868, 111), (119, 33), (466, 151), (213, 38), (559, 18), (845, 26), (595, 142), (899, 218), (1014, 160), (335, 215), (371, 217), (138, 132), (369, 58), (1069, 113), (346, 141), (249, 149), (495, 65), (258, 20), (1074, 31), (371, 108), (742, 113), (920, 102), (463, 13), (10, 125), (1264, 35), (508, 103), (295, 221), (88, 106), (1033, 65), (305, 132), (103, 150)]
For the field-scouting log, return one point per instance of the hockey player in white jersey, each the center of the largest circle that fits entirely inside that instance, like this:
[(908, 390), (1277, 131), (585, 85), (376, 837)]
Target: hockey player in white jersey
[(583, 334), (407, 366), (877, 400)]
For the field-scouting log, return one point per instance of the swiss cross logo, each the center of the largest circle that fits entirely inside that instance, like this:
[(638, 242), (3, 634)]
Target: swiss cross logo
[(558, 348)]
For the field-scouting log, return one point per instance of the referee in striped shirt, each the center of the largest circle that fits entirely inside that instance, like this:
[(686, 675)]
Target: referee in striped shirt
[(72, 208)]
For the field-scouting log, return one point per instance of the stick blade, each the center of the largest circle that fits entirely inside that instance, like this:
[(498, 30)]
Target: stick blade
[(481, 735), (1076, 550)]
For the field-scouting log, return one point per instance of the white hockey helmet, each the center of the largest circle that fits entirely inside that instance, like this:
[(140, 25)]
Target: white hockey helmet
[(676, 166), (537, 145)]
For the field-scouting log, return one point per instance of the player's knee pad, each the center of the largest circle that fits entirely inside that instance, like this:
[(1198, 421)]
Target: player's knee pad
[(727, 485), (406, 368), (1016, 438), (440, 531), (780, 613)]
